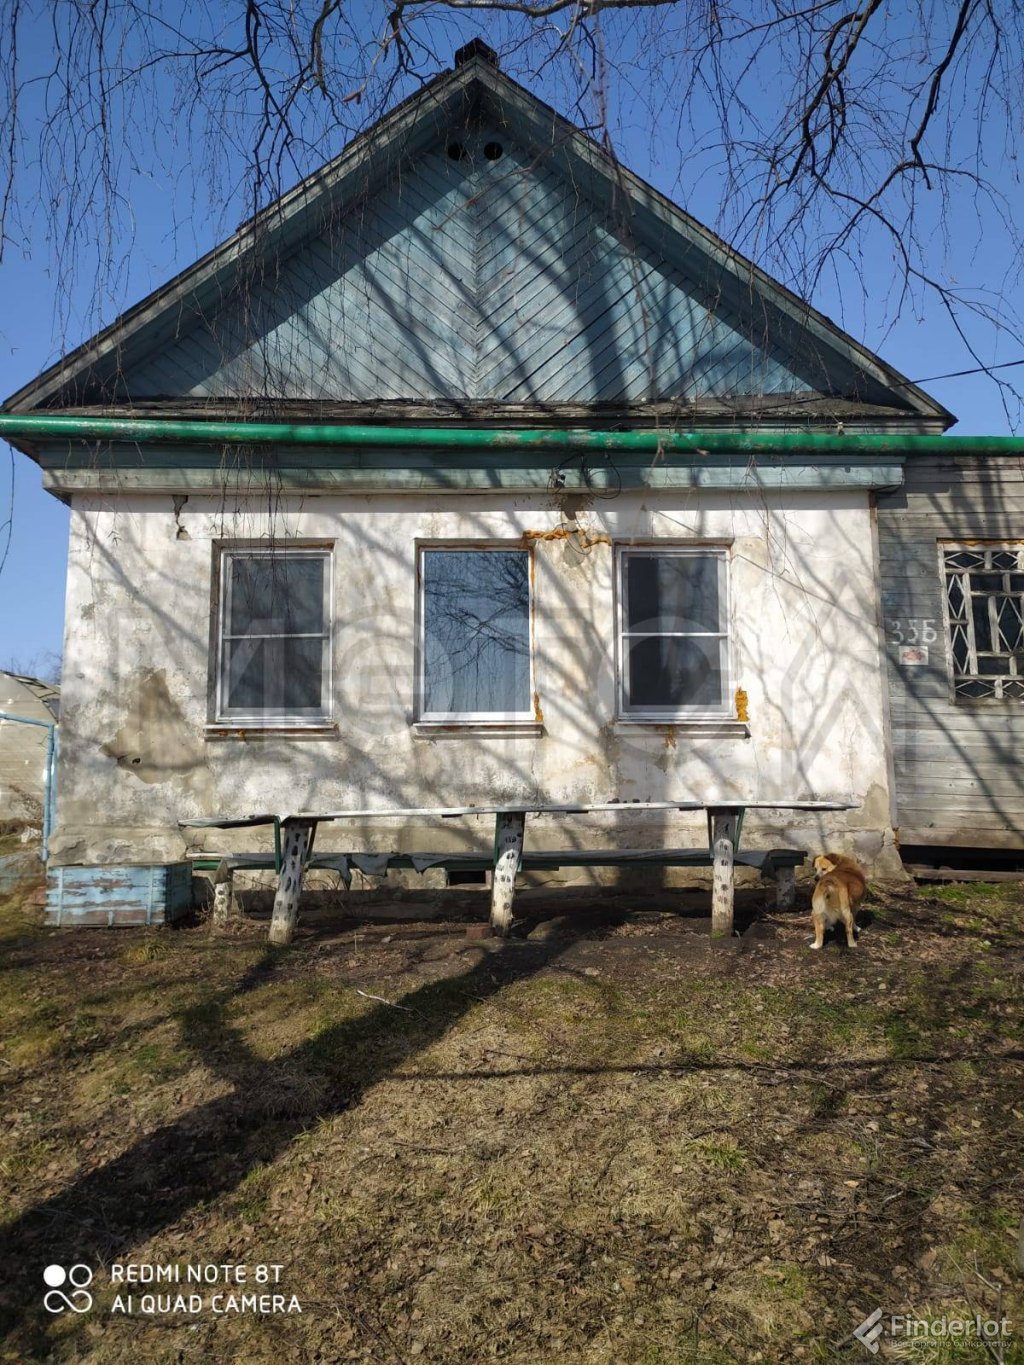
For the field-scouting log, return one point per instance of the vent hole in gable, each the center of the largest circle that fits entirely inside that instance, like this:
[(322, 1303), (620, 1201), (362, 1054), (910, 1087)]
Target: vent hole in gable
[(456, 151), (493, 151)]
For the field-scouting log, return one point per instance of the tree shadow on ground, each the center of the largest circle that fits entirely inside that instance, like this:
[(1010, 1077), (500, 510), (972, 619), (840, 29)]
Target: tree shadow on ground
[(208, 1151)]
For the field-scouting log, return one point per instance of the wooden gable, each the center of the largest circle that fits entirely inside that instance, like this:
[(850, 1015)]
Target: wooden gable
[(476, 278), (473, 247)]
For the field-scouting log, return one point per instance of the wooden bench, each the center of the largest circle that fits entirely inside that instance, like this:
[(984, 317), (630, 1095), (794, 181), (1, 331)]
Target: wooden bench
[(777, 865), (295, 834)]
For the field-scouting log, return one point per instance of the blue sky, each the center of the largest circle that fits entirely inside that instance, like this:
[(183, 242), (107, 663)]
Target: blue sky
[(157, 233)]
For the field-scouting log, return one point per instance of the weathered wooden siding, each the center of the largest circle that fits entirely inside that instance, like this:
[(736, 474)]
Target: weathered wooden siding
[(959, 776), (477, 278), (474, 245)]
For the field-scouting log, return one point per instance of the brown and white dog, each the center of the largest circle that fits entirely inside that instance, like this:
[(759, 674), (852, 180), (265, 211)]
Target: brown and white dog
[(839, 891)]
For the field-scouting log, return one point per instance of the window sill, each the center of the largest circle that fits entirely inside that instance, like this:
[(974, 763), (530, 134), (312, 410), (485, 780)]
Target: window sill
[(452, 729), (247, 730), (713, 727)]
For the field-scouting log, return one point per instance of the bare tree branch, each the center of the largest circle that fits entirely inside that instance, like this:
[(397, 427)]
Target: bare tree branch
[(840, 132)]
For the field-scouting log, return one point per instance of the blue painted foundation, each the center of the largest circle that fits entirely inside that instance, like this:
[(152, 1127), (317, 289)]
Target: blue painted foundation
[(81, 897)]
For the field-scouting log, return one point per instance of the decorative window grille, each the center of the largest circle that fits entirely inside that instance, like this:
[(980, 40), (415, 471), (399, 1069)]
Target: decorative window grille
[(985, 615)]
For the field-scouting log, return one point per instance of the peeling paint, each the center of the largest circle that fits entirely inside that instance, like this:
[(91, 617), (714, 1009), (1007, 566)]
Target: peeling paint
[(179, 503), (156, 742), (576, 534), (978, 540), (138, 677)]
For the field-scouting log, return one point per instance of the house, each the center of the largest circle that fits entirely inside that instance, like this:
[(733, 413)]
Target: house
[(475, 470), (25, 749)]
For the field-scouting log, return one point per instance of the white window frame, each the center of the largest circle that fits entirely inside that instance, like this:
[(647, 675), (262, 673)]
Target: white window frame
[(666, 714), (468, 717), (273, 719), (1015, 664)]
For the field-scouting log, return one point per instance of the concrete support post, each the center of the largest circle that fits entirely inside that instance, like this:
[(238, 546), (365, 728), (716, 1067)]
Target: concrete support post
[(296, 837), (508, 849), (785, 888), (723, 823), (224, 894)]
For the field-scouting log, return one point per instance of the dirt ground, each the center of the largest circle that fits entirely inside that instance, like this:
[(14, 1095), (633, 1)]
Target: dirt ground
[(607, 1140)]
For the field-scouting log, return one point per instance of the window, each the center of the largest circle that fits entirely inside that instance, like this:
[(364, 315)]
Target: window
[(475, 647), (985, 620), (274, 664), (673, 652)]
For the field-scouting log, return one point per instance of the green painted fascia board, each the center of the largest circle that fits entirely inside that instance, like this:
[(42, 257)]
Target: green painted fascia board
[(81, 455), (739, 475), (76, 466)]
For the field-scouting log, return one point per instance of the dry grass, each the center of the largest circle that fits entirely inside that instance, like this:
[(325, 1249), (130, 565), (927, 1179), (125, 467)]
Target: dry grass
[(624, 1145)]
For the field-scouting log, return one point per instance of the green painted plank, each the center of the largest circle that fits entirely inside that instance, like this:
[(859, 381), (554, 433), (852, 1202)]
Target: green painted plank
[(249, 479)]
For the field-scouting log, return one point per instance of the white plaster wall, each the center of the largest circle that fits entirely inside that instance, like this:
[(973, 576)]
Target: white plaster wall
[(22, 752), (135, 757)]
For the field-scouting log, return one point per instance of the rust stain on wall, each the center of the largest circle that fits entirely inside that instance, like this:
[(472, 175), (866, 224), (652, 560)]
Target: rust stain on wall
[(741, 705), (977, 540), (574, 533)]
